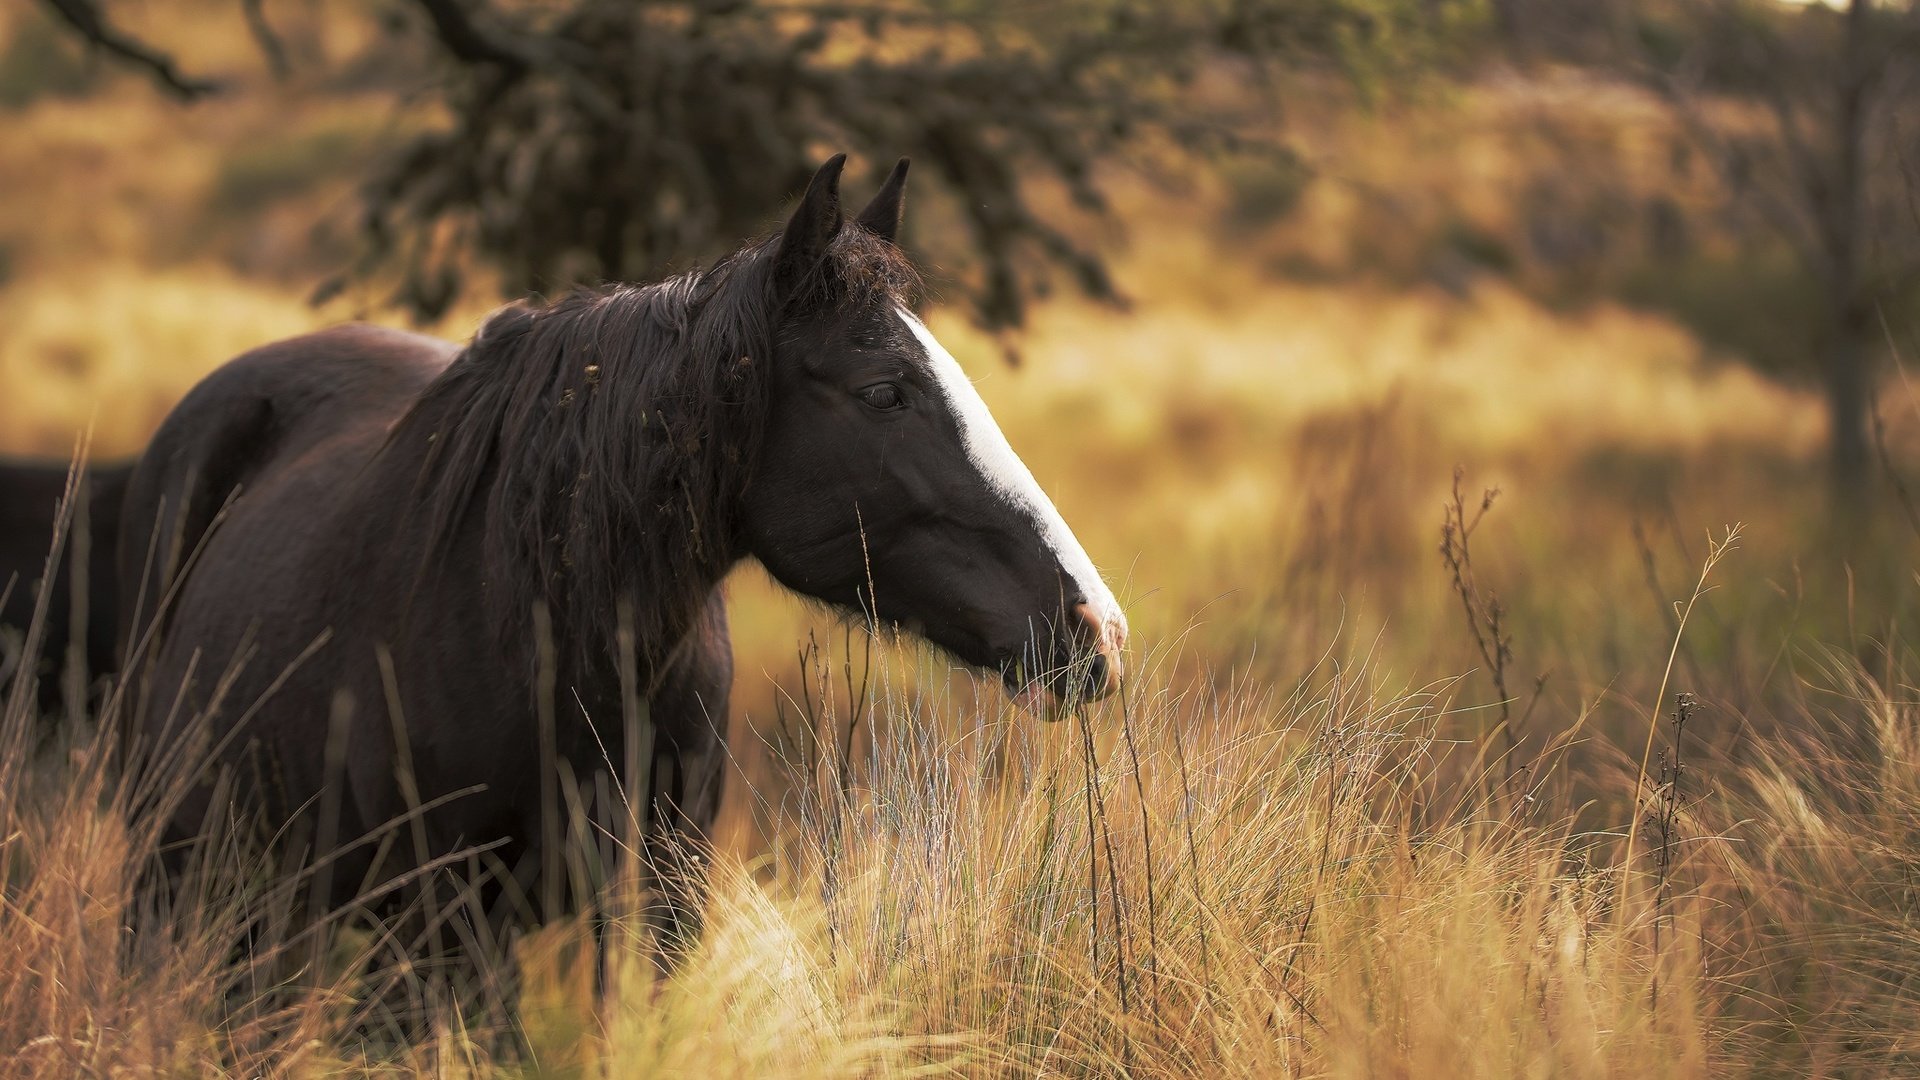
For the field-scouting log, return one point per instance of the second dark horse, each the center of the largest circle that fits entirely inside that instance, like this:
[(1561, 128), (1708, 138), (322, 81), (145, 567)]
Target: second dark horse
[(429, 541), (76, 639)]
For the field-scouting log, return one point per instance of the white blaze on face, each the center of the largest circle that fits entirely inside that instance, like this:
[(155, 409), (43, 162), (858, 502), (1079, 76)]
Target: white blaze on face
[(1010, 478)]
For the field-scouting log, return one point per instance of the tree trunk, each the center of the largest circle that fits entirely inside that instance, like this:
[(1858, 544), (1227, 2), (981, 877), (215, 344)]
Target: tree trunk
[(1510, 20), (1848, 399), (1849, 386)]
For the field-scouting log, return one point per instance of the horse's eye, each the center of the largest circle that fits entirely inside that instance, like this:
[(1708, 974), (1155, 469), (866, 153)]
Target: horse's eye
[(883, 396)]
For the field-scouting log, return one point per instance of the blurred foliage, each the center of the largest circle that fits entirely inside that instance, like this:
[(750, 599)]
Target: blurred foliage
[(38, 62), (285, 165), (1263, 191), (602, 139), (593, 140), (1764, 308)]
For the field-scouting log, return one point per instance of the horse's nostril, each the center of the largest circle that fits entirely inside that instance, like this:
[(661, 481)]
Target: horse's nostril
[(1097, 674)]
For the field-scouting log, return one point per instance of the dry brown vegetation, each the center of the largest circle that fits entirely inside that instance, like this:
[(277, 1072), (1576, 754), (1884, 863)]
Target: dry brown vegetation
[(1309, 841)]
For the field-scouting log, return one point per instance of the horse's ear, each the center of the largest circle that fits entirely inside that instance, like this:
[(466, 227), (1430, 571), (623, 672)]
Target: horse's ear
[(882, 215), (813, 226)]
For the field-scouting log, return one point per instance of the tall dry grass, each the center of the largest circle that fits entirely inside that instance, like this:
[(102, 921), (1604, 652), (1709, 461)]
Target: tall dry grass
[(1229, 872), (1210, 876)]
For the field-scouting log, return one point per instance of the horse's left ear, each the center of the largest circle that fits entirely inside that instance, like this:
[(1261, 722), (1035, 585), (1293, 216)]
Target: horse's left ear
[(812, 227), (882, 215)]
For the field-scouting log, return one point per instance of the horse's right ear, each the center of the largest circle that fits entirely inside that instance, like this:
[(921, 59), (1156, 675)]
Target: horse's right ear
[(813, 226), (882, 215)]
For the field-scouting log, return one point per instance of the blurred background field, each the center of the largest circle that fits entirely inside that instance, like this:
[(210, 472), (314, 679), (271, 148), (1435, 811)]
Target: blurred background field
[(1520, 269)]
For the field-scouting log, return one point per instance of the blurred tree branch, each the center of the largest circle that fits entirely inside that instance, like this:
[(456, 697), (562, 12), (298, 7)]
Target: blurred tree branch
[(85, 17), (265, 37), (468, 43)]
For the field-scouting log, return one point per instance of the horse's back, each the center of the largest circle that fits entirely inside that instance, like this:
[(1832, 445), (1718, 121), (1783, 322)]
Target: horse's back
[(280, 397), (246, 421)]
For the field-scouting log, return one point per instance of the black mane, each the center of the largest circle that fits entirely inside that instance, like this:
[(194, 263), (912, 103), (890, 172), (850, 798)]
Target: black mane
[(604, 441)]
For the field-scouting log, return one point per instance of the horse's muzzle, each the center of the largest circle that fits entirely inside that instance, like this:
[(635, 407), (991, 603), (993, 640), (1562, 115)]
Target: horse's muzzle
[(1092, 668), (1108, 632)]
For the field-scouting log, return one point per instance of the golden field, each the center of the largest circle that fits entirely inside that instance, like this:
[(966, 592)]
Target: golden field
[(1304, 844)]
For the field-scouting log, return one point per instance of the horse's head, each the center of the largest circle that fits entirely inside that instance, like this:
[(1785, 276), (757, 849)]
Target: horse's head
[(885, 486)]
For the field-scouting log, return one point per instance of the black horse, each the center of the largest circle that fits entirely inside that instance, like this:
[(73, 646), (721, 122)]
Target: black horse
[(477, 557), (80, 621)]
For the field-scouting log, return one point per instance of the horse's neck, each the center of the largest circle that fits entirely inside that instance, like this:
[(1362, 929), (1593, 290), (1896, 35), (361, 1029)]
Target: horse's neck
[(664, 594), (554, 516)]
